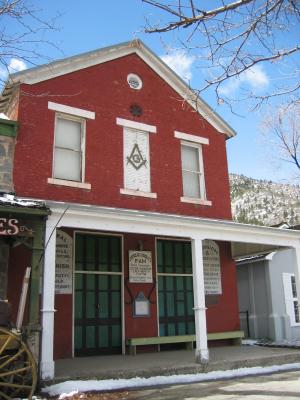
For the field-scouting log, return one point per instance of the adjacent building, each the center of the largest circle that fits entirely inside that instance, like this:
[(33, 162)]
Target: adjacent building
[(268, 297)]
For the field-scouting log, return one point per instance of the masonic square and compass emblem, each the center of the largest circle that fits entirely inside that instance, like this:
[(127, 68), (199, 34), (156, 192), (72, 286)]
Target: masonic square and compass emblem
[(136, 158)]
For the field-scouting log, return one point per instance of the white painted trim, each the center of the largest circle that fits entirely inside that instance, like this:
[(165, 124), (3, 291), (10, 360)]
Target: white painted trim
[(46, 360), (136, 125), (62, 182), (191, 138), (131, 192), (195, 201), (201, 352), (113, 219), (97, 272), (79, 112)]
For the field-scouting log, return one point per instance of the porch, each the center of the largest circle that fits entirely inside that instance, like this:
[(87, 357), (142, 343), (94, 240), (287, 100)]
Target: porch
[(192, 232), (166, 362)]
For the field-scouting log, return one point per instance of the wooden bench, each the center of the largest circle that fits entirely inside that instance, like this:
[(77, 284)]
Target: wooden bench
[(188, 339)]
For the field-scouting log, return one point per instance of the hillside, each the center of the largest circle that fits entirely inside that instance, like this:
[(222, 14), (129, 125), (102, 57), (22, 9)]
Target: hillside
[(264, 202)]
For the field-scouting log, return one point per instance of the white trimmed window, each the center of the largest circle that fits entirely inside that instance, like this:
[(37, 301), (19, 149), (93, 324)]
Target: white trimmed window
[(69, 146), (291, 298), (193, 179), (136, 158)]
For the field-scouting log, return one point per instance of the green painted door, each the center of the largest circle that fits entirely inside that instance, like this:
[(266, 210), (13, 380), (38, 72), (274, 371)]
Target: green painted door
[(175, 288), (97, 311)]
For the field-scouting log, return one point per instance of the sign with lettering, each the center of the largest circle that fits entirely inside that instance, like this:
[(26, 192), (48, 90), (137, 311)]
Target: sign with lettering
[(13, 227), (64, 263), (212, 267), (140, 266)]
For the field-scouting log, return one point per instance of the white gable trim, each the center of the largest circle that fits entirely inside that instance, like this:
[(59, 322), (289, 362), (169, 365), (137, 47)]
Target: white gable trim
[(71, 64), (79, 112)]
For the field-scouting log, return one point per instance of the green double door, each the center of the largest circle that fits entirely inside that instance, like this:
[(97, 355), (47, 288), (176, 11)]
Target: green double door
[(97, 309), (175, 288)]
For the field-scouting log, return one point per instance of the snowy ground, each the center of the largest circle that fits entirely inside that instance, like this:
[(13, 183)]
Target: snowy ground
[(68, 389)]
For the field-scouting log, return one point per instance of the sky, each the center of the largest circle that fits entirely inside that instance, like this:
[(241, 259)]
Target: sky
[(92, 24)]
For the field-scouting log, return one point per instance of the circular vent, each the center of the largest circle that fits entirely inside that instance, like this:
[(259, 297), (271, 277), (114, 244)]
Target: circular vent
[(134, 81)]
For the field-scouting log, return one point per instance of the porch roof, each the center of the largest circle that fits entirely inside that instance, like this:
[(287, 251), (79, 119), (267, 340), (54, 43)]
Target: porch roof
[(246, 240)]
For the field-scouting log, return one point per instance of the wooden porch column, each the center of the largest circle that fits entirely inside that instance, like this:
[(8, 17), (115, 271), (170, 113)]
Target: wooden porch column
[(201, 354), (47, 362)]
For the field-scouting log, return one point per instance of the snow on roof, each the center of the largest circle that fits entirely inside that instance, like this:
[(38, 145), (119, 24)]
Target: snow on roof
[(254, 258), (7, 199)]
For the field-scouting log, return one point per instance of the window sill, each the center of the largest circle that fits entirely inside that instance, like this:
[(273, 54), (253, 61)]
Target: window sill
[(131, 192), (194, 200), (62, 182)]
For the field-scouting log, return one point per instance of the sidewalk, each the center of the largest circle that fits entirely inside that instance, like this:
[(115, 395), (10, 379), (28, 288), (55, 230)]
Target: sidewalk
[(171, 362)]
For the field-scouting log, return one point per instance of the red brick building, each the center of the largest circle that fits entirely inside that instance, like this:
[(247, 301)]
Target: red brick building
[(133, 167)]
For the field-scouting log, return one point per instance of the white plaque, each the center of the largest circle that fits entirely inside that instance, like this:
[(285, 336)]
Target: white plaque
[(63, 261), (212, 267), (140, 266)]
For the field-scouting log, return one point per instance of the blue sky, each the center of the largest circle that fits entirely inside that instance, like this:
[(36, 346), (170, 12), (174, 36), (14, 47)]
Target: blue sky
[(89, 25)]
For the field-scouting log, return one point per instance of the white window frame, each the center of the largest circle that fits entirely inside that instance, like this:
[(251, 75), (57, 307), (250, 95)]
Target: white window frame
[(195, 142), (137, 127), (77, 115), (290, 299)]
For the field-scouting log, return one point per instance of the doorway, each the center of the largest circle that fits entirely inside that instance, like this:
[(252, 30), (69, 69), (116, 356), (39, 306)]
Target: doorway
[(98, 288)]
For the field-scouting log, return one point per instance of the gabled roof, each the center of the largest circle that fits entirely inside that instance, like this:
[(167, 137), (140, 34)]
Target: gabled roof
[(78, 62)]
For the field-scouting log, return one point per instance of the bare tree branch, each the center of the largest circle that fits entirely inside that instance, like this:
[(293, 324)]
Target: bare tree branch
[(22, 40), (281, 127), (233, 37)]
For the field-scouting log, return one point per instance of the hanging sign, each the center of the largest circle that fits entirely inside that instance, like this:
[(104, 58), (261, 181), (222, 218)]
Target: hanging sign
[(212, 267), (13, 227), (140, 266), (63, 269)]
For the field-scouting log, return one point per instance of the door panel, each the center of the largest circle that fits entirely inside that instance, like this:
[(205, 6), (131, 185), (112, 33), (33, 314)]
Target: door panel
[(97, 313), (175, 288)]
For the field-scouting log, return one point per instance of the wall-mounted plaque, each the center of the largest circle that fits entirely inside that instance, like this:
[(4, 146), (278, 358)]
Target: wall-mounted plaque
[(212, 267), (64, 263), (140, 266), (141, 306)]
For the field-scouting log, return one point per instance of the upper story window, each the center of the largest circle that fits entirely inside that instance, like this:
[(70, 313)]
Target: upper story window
[(193, 179), (69, 146), (291, 298), (136, 158)]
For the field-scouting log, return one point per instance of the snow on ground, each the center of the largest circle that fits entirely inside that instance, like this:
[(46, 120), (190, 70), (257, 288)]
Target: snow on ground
[(66, 389)]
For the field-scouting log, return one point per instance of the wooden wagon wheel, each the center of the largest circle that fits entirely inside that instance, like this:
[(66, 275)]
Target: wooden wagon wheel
[(18, 375)]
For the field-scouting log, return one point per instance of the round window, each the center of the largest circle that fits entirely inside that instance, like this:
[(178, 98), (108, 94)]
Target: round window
[(134, 81)]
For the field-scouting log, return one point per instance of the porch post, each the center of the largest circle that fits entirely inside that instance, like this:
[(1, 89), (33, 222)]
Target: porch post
[(47, 362), (201, 354)]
